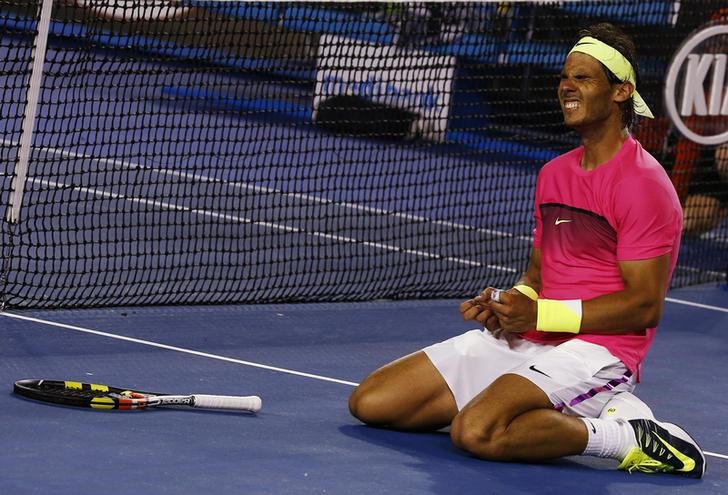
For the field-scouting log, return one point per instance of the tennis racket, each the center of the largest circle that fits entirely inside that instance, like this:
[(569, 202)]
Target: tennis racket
[(99, 396)]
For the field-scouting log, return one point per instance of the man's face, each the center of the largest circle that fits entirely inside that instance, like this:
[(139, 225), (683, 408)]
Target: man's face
[(585, 93)]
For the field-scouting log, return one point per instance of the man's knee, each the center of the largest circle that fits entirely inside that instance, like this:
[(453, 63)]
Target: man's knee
[(360, 404), (408, 394), (368, 405), (478, 437)]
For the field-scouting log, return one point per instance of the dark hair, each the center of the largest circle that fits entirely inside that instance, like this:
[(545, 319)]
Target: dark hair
[(620, 41)]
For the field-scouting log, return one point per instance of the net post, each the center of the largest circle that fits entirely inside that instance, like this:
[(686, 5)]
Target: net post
[(26, 137), (5, 265)]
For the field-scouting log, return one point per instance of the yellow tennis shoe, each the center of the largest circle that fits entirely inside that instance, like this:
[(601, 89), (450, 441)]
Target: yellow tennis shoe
[(663, 448)]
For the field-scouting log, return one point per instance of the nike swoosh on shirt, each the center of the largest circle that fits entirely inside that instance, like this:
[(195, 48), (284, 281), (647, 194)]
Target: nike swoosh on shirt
[(560, 221)]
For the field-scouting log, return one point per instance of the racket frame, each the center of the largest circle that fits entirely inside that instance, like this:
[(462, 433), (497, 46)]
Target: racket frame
[(105, 397)]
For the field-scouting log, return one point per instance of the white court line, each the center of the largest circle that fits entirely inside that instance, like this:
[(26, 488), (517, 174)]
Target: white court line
[(696, 305), (176, 349), (269, 225), (128, 165), (250, 363)]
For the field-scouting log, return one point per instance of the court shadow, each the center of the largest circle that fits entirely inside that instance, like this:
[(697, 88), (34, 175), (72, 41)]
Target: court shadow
[(449, 470)]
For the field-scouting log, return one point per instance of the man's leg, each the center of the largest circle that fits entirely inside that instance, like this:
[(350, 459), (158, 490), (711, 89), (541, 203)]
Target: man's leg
[(407, 394), (514, 420)]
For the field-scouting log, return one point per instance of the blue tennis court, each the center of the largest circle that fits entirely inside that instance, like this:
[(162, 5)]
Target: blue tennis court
[(303, 360)]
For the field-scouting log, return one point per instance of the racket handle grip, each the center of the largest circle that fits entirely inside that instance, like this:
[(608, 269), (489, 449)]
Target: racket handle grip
[(250, 403)]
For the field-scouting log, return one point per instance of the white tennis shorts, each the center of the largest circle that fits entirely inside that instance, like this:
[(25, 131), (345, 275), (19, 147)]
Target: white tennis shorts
[(578, 377)]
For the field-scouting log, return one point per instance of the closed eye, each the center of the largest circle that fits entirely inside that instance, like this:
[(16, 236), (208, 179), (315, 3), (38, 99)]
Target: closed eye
[(578, 77)]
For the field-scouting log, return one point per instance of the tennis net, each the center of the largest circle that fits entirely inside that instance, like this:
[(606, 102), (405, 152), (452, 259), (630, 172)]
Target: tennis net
[(189, 152)]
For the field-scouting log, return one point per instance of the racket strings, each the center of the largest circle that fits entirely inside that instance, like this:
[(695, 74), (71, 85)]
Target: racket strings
[(88, 392)]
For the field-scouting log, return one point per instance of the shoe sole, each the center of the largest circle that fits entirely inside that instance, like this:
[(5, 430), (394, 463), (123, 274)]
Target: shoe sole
[(683, 435)]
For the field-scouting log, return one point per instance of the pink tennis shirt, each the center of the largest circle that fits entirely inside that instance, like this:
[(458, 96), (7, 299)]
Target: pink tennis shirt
[(589, 221)]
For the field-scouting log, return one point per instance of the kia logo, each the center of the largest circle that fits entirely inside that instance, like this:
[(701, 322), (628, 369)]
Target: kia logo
[(697, 87)]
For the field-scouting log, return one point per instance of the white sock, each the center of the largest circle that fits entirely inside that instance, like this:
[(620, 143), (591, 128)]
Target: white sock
[(609, 438)]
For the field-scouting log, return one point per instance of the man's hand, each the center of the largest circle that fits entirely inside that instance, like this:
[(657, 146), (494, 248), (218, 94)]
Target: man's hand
[(515, 312), (479, 309)]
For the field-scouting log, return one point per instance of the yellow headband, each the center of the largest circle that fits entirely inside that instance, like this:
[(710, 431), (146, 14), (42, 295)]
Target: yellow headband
[(617, 64)]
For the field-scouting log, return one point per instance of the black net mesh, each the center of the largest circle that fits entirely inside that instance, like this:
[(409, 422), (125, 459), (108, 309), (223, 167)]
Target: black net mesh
[(225, 152)]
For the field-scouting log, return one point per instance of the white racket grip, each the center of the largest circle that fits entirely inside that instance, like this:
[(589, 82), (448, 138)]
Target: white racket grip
[(250, 403)]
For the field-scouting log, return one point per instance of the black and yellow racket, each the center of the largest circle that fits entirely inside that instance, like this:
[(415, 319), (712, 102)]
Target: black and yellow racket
[(99, 396)]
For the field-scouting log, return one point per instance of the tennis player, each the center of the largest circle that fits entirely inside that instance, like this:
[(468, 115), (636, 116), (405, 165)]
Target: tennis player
[(551, 372)]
